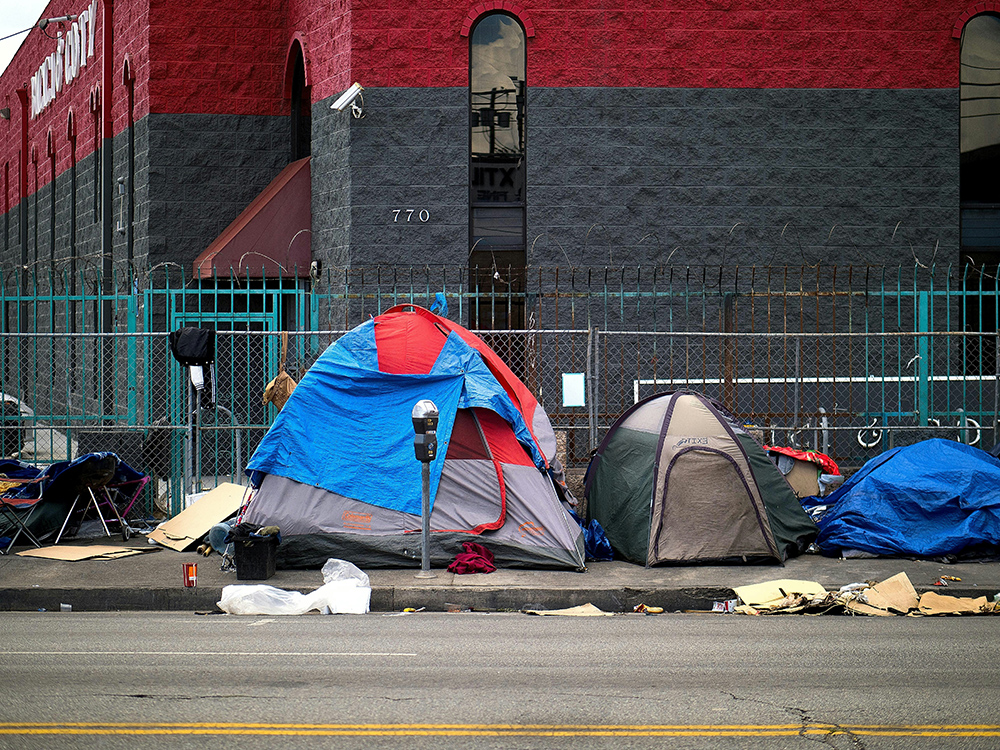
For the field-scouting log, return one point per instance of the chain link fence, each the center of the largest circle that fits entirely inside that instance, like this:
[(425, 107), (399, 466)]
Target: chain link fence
[(850, 395)]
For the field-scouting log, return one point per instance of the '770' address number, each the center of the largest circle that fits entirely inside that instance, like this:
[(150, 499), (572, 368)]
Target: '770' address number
[(400, 215)]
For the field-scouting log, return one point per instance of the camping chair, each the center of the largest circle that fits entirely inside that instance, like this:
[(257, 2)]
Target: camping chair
[(86, 479), (18, 493)]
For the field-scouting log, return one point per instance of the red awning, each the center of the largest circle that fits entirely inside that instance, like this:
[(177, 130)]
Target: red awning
[(271, 236)]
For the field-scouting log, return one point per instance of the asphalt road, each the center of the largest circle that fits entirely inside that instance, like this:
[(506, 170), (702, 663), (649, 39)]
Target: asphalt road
[(438, 680)]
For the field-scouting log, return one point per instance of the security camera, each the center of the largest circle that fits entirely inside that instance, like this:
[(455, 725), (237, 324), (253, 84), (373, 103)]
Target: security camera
[(43, 22), (347, 98)]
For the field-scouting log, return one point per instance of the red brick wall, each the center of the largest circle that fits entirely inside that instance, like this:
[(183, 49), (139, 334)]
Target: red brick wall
[(693, 43), (229, 56), (217, 56)]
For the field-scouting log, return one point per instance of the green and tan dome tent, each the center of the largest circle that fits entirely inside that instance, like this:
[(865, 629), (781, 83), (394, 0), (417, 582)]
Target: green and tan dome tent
[(677, 480)]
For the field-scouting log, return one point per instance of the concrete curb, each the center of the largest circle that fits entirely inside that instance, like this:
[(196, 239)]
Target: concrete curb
[(396, 598), (393, 599)]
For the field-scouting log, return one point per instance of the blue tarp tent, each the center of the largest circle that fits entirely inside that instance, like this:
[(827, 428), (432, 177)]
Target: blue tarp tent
[(338, 475), (931, 499), (348, 416)]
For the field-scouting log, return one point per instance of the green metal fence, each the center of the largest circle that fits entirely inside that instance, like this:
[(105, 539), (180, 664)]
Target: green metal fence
[(846, 360)]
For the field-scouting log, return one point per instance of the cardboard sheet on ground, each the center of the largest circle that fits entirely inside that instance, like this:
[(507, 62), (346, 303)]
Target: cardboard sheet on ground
[(192, 523), (894, 594), (583, 610), (932, 603), (760, 595), (75, 553)]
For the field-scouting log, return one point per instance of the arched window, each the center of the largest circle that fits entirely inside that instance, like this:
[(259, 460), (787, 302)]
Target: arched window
[(980, 122), (301, 112), (497, 205), (979, 186)]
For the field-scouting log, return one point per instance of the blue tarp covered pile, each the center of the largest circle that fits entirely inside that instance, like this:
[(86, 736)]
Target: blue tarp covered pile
[(934, 499)]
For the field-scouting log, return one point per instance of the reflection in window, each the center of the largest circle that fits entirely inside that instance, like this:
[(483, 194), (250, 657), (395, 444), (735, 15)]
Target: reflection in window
[(980, 188), (980, 92), (497, 60)]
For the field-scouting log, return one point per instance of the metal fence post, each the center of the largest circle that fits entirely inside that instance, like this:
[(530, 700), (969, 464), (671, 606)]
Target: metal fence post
[(591, 414), (188, 444)]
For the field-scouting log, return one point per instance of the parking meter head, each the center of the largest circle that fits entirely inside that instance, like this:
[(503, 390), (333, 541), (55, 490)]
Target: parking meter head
[(425, 417)]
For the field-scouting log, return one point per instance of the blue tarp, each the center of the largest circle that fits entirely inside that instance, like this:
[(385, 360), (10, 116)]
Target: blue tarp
[(51, 479), (931, 499), (346, 417)]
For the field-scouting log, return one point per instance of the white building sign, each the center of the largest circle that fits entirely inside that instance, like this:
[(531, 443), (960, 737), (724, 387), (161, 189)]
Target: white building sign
[(65, 64)]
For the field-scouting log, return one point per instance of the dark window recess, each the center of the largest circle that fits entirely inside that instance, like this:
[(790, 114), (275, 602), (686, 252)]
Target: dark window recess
[(300, 121)]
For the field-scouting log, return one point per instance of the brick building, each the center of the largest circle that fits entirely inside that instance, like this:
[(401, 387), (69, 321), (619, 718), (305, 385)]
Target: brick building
[(193, 134)]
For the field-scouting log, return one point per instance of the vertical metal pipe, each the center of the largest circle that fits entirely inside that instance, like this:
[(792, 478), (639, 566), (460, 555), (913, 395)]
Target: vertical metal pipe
[(798, 385), (996, 386), (188, 440), (425, 521), (591, 421)]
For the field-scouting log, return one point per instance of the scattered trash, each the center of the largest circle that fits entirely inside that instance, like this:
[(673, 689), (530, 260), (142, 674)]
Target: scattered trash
[(943, 580), (729, 605), (583, 610), (189, 574), (346, 590), (856, 586), (452, 607), (646, 610), (65, 607), (891, 597), (783, 595)]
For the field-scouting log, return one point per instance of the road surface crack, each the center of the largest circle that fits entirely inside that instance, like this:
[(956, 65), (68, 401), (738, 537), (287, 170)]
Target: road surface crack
[(835, 737)]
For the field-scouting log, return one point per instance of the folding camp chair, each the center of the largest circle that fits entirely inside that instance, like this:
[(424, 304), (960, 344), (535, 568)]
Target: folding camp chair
[(19, 496), (12, 508)]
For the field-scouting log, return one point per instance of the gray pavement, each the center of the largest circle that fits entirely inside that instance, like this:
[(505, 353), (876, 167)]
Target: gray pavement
[(154, 581)]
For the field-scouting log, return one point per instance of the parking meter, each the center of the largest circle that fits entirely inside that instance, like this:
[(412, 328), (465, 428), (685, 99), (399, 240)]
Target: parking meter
[(425, 422)]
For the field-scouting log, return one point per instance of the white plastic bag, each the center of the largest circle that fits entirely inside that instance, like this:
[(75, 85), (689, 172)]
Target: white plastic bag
[(341, 570), (345, 591), (336, 598)]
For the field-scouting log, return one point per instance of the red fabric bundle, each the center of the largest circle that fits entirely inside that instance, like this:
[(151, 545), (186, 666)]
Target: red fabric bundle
[(475, 559)]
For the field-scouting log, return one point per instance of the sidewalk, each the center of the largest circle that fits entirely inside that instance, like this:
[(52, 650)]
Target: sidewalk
[(153, 581)]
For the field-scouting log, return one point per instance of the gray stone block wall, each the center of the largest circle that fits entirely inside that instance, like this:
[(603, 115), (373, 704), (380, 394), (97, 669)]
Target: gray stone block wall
[(633, 176), (331, 186), (742, 176), (651, 176), (391, 188), (202, 171), (71, 244)]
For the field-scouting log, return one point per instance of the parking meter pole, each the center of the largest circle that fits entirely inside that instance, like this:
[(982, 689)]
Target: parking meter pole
[(425, 517), (425, 422)]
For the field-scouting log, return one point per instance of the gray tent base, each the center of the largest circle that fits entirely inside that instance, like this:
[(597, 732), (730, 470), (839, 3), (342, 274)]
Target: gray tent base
[(311, 551)]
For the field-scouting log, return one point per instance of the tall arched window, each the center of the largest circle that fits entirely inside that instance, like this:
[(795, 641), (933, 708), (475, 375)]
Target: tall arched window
[(301, 112), (979, 184), (497, 240)]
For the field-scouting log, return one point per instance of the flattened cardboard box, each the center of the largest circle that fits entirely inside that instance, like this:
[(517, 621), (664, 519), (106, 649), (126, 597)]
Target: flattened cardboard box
[(71, 553), (192, 523)]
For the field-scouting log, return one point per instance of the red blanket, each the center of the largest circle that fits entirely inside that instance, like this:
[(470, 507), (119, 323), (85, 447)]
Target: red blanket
[(475, 559)]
